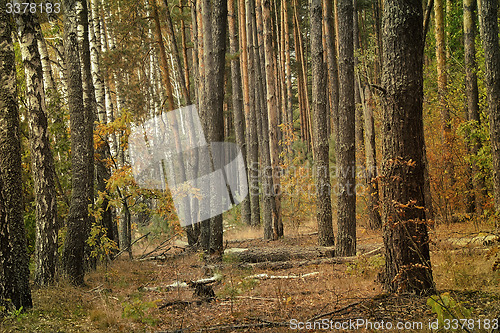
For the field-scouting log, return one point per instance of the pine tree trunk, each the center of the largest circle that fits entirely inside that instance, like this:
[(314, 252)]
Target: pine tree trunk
[(408, 266), (252, 140), (214, 43), (238, 113), (489, 37), (288, 71), (320, 129), (41, 155), (442, 81), (163, 56), (471, 90), (272, 113), (302, 79), (268, 204), (14, 260), (375, 221), (78, 220), (358, 89), (331, 54), (377, 7), (346, 150)]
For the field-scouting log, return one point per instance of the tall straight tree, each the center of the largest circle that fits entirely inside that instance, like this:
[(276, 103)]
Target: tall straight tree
[(375, 221), (331, 54), (250, 112), (268, 203), (103, 172), (41, 156), (472, 93), (302, 77), (237, 94), (272, 112), (320, 128), (288, 72), (175, 52), (408, 266), (441, 55), (489, 36), (214, 40), (78, 222), (14, 270), (346, 149)]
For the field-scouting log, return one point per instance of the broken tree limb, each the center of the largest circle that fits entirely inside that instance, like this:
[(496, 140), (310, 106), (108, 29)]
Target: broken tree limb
[(333, 312), (185, 284), (287, 264), (255, 255), (222, 328), (265, 276), (277, 265), (158, 247), (130, 246)]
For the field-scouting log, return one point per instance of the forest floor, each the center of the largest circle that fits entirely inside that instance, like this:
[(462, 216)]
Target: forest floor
[(135, 296)]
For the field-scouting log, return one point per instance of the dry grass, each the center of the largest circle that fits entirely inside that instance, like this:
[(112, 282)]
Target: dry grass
[(117, 299)]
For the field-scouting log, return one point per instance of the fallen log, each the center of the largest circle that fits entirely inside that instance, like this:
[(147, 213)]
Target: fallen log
[(278, 265), (287, 264), (255, 255)]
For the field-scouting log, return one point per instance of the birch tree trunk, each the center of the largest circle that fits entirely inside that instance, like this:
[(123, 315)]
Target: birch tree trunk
[(102, 153), (175, 52), (41, 156)]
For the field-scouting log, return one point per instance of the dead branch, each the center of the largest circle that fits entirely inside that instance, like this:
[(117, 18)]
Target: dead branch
[(179, 302), (255, 255), (130, 246), (266, 276), (158, 247), (334, 311), (262, 324)]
